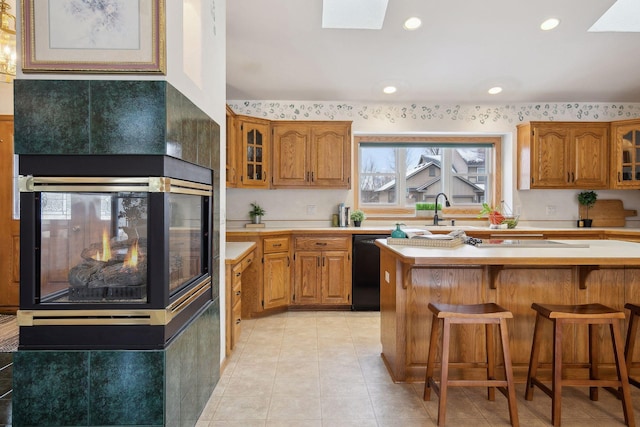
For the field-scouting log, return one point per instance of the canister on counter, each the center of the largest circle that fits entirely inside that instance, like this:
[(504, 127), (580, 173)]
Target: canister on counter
[(335, 220)]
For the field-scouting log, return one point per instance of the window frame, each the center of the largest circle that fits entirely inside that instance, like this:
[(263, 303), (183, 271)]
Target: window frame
[(458, 210)]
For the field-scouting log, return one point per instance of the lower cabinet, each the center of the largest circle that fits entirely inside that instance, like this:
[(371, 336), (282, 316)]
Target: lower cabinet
[(276, 271), (233, 280), (322, 270)]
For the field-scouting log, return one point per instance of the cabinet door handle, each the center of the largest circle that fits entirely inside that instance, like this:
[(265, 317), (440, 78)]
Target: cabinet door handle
[(323, 261), (573, 177), (264, 176), (311, 176), (288, 261), (238, 293), (568, 177), (238, 274), (307, 178), (238, 321), (318, 261), (277, 245), (321, 243)]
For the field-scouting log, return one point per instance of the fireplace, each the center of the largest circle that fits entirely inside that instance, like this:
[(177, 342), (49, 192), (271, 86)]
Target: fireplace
[(115, 250)]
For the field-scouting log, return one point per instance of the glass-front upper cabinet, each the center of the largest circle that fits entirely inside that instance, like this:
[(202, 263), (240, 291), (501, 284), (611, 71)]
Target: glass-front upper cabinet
[(625, 166), (254, 153)]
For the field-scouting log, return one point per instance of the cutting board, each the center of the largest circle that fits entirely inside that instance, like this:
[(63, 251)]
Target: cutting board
[(607, 213)]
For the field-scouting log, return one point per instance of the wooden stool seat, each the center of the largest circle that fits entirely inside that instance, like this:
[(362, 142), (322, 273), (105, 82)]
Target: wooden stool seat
[(592, 315), (632, 333), (487, 314)]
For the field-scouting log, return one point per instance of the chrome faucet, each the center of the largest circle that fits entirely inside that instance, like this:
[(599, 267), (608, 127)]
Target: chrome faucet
[(446, 203)]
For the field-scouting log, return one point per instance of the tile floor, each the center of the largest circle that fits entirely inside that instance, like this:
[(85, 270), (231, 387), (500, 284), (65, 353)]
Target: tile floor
[(323, 369)]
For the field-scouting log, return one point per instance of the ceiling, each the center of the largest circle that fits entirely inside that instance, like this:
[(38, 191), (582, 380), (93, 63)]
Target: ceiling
[(278, 50)]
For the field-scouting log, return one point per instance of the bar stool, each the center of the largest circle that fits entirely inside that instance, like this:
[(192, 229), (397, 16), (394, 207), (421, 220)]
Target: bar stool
[(632, 332), (487, 314), (591, 314)]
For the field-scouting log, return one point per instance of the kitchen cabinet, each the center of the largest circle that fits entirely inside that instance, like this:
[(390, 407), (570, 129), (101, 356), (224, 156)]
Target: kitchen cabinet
[(276, 272), (253, 156), (266, 282), (234, 269), (625, 154), (563, 155), (322, 270), (311, 154), (231, 165)]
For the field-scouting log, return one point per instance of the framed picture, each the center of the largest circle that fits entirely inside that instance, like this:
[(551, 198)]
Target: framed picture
[(107, 36)]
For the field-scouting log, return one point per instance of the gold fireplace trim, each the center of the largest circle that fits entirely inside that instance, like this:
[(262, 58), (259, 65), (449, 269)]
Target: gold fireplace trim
[(30, 184), (113, 317)]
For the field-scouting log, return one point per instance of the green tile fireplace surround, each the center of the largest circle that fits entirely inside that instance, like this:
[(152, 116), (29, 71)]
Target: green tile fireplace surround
[(88, 387)]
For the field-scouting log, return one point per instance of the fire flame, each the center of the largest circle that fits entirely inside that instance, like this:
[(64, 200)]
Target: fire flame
[(131, 260), (106, 248)]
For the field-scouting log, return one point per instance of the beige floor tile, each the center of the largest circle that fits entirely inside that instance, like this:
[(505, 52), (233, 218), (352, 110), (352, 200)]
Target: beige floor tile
[(285, 386), (346, 408), (294, 408), (294, 423), (350, 423), (338, 387), (243, 386), (237, 423), (242, 408), (403, 422)]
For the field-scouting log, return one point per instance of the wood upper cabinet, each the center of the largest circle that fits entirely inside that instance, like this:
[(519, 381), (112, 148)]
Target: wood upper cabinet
[(563, 155), (311, 154), (322, 270), (253, 155), (232, 150), (625, 154)]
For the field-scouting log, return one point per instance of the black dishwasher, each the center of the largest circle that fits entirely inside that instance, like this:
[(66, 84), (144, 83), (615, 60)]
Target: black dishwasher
[(366, 272)]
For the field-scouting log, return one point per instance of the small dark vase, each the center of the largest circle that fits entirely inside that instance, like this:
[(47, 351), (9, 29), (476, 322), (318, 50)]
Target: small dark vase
[(587, 222), (357, 223)]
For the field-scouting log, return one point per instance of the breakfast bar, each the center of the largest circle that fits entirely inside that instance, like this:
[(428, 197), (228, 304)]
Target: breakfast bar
[(512, 274)]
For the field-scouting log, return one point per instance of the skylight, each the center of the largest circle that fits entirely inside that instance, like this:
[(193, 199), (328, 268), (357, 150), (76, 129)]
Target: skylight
[(623, 16), (354, 14)]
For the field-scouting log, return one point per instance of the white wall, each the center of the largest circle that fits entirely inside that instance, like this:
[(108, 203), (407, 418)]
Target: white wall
[(293, 206)]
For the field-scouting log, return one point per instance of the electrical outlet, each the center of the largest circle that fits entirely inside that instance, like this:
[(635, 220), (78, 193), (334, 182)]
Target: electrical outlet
[(551, 210)]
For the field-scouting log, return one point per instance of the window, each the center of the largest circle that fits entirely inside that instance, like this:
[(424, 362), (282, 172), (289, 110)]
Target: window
[(396, 172)]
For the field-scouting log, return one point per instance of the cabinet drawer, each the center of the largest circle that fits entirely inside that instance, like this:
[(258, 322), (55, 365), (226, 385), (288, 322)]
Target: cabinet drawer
[(322, 243), (246, 261), (236, 294), (236, 275), (236, 320), (276, 244)]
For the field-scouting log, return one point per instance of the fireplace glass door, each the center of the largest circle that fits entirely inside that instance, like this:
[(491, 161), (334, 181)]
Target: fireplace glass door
[(93, 247)]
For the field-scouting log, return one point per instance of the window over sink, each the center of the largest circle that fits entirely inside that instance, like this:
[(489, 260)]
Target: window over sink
[(395, 172)]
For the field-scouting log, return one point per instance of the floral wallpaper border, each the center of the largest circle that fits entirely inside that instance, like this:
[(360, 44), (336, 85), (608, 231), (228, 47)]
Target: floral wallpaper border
[(397, 113)]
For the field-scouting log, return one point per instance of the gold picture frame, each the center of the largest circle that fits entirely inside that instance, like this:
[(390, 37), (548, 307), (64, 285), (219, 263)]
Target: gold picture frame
[(76, 36)]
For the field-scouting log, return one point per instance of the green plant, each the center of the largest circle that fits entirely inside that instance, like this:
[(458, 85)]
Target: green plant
[(424, 206), (256, 210), (587, 199), (358, 215)]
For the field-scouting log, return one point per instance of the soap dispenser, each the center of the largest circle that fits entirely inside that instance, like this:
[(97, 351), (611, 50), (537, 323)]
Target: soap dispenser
[(398, 233)]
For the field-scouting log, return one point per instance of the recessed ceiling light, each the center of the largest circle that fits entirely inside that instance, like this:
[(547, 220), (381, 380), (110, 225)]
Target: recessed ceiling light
[(389, 90), (495, 90), (412, 23), (550, 24)]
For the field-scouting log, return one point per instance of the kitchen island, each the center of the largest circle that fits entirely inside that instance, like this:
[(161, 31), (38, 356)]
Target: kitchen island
[(607, 271)]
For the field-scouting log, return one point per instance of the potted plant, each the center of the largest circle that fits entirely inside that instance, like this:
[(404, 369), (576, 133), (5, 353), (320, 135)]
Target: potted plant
[(256, 213), (426, 209), (357, 216), (586, 199)]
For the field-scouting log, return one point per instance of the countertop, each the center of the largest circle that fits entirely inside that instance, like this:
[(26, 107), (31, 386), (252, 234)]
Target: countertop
[(235, 251), (598, 252)]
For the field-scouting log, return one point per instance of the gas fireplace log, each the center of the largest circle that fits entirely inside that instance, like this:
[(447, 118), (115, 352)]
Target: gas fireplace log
[(116, 275), (84, 273)]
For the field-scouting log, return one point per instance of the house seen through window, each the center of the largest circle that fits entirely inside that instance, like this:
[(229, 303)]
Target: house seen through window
[(395, 174)]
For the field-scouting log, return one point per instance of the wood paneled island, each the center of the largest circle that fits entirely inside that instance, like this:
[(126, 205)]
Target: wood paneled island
[(607, 271)]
